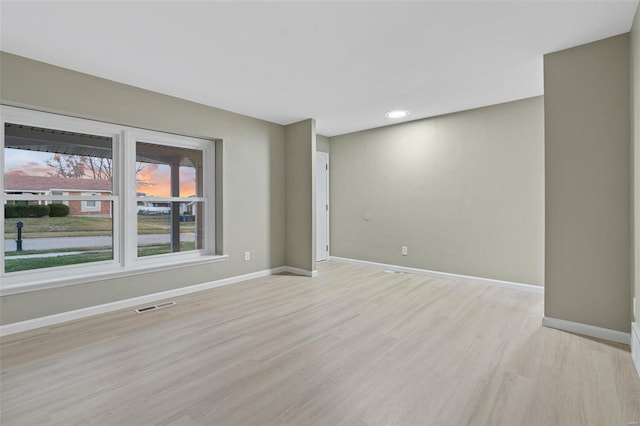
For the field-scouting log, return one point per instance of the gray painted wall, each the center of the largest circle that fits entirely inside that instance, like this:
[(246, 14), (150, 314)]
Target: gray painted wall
[(464, 193), (301, 195), (588, 184), (635, 186), (322, 143), (253, 177)]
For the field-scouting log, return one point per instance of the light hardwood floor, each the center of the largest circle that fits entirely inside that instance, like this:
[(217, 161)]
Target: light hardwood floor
[(353, 346)]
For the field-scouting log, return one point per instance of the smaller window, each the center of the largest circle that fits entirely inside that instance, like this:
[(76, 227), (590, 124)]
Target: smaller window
[(170, 201), (91, 206)]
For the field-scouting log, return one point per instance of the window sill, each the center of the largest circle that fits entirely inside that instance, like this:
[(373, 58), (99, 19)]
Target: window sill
[(8, 287)]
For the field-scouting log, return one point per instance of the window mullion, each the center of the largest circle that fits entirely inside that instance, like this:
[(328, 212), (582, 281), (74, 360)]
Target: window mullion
[(209, 191), (2, 198), (117, 206), (129, 203)]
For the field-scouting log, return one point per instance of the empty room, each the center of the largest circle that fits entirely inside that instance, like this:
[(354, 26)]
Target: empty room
[(320, 212)]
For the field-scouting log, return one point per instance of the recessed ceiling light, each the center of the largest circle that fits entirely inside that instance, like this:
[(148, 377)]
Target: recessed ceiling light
[(397, 114)]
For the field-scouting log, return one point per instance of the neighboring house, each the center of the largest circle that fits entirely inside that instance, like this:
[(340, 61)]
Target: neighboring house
[(51, 185)]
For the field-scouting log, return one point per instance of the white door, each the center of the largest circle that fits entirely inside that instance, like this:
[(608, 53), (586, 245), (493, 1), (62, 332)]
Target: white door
[(322, 206)]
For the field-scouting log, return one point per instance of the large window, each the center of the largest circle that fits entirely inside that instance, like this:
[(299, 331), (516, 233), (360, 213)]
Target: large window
[(84, 198)]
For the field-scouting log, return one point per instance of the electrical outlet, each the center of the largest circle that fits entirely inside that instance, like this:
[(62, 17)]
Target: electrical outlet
[(247, 255), (405, 250)]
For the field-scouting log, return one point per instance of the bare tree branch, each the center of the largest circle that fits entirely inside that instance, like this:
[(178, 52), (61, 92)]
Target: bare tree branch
[(80, 166)]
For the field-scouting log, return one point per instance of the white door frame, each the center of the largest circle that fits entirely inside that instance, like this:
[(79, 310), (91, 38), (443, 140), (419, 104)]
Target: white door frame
[(326, 155)]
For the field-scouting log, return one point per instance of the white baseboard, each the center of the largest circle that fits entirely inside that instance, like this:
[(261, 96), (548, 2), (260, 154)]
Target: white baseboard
[(498, 283), (635, 345), (587, 330), (49, 320), (303, 272)]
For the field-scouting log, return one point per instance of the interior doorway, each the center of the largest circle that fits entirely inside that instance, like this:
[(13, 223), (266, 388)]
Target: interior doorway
[(322, 206)]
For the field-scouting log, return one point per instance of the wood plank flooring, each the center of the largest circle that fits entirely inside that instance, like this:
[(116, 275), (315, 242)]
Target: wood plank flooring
[(354, 346)]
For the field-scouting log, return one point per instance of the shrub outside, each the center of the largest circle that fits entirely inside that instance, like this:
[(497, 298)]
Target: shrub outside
[(58, 210), (16, 211)]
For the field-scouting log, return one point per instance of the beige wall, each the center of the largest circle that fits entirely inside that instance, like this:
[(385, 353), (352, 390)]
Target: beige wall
[(253, 177), (300, 195), (588, 184), (635, 128), (322, 143), (464, 193)]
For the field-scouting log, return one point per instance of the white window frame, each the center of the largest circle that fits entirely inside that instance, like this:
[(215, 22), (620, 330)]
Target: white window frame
[(125, 261), (131, 223)]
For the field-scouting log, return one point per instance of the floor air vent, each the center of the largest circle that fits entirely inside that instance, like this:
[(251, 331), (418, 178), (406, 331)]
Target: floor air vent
[(154, 307)]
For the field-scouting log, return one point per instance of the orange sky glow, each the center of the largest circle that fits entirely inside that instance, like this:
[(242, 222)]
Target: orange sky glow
[(159, 178)]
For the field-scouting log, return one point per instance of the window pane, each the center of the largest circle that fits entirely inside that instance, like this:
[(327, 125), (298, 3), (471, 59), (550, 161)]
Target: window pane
[(165, 171), (40, 161), (169, 227), (56, 241), (43, 161)]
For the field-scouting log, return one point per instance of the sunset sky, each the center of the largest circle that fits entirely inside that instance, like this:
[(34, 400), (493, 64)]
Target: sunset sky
[(33, 163)]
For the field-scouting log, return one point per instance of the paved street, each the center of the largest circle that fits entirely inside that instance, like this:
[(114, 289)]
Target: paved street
[(78, 242)]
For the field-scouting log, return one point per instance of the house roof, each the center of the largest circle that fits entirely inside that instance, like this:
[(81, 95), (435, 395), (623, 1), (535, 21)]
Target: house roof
[(14, 182)]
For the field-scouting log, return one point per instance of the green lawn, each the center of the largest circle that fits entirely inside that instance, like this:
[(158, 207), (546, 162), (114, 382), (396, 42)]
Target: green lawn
[(58, 250), (94, 254), (81, 226), (13, 265), (151, 249)]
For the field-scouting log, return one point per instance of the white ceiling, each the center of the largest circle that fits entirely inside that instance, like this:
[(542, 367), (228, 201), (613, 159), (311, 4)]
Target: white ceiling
[(343, 63)]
